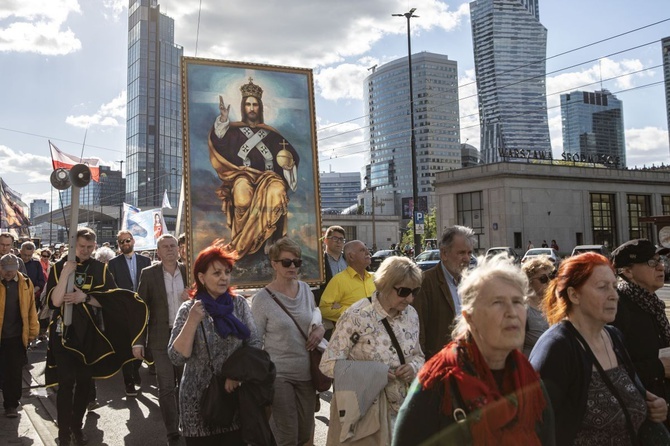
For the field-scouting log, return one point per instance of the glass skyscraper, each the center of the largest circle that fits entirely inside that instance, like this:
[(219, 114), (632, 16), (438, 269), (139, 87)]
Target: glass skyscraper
[(436, 124), (593, 126), (665, 47), (510, 47), (153, 128)]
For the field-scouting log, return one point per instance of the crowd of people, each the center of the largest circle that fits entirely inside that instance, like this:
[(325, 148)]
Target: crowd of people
[(492, 355)]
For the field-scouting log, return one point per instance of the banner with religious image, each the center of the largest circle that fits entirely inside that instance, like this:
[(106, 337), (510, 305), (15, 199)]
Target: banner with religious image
[(145, 226), (250, 164), (12, 211)]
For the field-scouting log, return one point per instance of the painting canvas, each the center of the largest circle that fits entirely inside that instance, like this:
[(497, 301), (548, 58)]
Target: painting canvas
[(250, 163)]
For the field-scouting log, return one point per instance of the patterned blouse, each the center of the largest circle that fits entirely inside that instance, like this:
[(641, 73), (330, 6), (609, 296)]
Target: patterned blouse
[(360, 336), (197, 374)]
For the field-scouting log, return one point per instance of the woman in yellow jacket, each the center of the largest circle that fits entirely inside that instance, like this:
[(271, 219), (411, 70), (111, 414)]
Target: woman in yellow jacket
[(18, 326)]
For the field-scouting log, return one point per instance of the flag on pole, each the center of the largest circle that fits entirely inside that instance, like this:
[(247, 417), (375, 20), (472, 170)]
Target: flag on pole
[(11, 207), (166, 201), (63, 160)]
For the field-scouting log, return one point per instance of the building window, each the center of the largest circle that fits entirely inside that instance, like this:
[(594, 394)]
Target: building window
[(603, 219), (639, 206), (469, 211), (665, 204)]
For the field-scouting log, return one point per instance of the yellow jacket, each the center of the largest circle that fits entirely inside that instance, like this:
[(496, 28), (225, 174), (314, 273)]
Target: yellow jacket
[(31, 326)]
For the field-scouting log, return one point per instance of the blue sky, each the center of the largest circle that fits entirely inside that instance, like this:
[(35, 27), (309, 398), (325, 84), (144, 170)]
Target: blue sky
[(63, 68)]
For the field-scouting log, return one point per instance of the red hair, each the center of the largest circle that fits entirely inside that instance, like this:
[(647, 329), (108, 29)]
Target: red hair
[(217, 251), (572, 273)]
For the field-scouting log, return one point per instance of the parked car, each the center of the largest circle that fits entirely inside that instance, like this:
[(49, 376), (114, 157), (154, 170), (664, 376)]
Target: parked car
[(549, 252), (428, 259), (381, 255), (600, 249), (491, 252)]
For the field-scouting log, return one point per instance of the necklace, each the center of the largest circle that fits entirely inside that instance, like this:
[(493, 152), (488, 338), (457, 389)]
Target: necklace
[(602, 336)]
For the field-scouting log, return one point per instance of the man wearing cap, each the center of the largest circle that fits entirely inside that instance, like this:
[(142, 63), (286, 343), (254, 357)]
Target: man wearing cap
[(641, 313), (6, 244), (18, 327)]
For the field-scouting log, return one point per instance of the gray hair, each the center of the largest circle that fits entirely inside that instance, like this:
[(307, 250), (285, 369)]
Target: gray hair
[(104, 254), (497, 267), (347, 248), (395, 270), (450, 233), (30, 245)]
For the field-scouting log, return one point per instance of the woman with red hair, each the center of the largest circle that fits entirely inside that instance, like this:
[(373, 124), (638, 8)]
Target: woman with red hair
[(583, 362), (208, 329)]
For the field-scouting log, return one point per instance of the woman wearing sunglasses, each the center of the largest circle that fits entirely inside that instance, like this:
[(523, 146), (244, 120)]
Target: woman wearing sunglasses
[(283, 303), (373, 356), (540, 270), (480, 389), (641, 313)]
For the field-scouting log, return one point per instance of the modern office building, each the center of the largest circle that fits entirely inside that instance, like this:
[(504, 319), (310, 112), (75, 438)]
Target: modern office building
[(38, 207), (593, 126), (154, 124), (469, 155), (665, 46), (109, 191), (509, 44), (436, 124), (338, 190)]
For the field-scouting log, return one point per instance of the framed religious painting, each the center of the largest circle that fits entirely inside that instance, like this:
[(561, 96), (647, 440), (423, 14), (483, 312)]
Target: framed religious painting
[(250, 164)]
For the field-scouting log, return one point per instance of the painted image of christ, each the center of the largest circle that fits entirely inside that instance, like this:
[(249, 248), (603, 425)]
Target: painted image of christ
[(257, 167)]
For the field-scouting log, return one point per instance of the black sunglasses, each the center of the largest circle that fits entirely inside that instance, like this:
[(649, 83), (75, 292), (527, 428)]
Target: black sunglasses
[(46, 255), (128, 240), (287, 262), (404, 292), (545, 278)]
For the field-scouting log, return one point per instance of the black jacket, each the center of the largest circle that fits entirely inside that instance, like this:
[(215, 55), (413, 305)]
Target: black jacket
[(253, 367)]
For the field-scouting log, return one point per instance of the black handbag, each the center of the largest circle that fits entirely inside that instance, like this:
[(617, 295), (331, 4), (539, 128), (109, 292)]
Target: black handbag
[(320, 381), (217, 407)]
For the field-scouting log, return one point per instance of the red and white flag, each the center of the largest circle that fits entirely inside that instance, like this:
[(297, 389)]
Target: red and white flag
[(65, 161)]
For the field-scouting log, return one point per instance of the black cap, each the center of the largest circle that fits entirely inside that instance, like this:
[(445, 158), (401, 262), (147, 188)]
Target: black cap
[(635, 251)]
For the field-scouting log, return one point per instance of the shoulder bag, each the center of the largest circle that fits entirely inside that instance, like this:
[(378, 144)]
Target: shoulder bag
[(320, 381), (217, 407), (650, 433)]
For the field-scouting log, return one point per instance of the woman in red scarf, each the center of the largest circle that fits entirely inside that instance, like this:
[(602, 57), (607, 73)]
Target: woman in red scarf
[(480, 389)]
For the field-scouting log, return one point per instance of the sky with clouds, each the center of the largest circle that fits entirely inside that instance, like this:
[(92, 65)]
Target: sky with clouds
[(63, 68)]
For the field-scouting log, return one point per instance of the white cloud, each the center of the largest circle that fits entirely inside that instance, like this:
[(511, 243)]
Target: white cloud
[(468, 109), (647, 146), (341, 142), (33, 168), (321, 33), (115, 7), (111, 114), (342, 81), (38, 26)]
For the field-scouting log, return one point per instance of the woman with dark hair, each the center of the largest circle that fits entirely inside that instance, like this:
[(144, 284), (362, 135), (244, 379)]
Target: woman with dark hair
[(582, 361), (480, 389), (208, 329), (641, 314)]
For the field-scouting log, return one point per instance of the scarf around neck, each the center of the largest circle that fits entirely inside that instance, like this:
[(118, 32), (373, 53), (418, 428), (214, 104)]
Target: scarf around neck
[(221, 311), (496, 416), (649, 303)]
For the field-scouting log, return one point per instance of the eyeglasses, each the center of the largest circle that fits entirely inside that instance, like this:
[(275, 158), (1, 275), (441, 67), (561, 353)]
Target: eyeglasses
[(545, 278), (286, 263), (404, 291), (128, 240), (46, 256), (337, 239), (655, 262)]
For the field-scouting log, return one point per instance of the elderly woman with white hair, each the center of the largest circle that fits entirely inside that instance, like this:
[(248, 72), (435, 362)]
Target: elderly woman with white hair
[(480, 389), (373, 356)]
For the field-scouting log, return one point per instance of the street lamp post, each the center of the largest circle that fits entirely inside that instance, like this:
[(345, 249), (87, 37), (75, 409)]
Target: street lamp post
[(415, 188), (374, 226)]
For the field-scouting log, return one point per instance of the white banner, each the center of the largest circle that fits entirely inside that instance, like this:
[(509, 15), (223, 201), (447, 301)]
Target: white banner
[(145, 226)]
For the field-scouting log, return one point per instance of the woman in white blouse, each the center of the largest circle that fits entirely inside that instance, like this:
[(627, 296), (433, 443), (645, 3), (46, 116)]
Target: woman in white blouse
[(373, 356)]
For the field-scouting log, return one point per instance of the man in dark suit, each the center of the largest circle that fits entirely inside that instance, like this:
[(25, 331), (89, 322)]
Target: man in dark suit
[(333, 259), (438, 302), (163, 288), (126, 268)]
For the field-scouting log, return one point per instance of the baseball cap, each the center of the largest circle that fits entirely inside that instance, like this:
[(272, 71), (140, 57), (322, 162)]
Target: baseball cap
[(9, 262), (635, 251)]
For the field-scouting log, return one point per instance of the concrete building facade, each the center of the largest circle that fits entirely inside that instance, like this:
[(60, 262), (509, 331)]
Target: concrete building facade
[(509, 204), (339, 190)]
